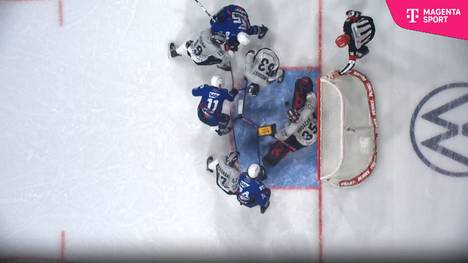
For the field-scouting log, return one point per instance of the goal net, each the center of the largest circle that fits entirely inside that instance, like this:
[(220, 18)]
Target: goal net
[(348, 129)]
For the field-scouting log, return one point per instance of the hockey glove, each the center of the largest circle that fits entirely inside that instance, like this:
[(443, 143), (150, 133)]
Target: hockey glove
[(224, 67), (172, 51), (208, 161), (281, 74), (223, 131), (264, 208), (254, 89), (250, 52), (233, 92), (263, 31), (263, 174), (231, 44)]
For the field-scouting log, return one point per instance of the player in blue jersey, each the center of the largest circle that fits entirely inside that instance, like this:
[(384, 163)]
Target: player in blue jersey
[(211, 104), (252, 191), (233, 21)]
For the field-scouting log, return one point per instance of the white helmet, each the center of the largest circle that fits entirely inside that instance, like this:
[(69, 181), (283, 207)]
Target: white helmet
[(243, 38), (217, 81), (253, 171)]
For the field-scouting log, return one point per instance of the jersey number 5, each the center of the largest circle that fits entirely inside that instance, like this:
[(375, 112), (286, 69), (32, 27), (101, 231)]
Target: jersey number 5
[(311, 128), (238, 18)]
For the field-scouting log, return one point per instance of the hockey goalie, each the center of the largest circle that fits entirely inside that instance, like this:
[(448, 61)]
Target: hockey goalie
[(301, 129)]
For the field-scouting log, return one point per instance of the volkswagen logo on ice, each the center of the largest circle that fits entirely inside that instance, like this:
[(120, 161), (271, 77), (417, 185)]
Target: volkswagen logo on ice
[(439, 129)]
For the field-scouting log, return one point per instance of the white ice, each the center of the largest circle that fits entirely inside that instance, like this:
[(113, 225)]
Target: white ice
[(99, 138)]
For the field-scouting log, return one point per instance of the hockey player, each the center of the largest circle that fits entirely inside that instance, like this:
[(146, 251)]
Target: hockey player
[(358, 31), (261, 69), (206, 50), (227, 174), (301, 129), (252, 191), (211, 104), (233, 22)]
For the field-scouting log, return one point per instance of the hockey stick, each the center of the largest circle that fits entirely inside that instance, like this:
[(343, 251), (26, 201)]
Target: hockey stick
[(206, 11), (233, 120), (270, 130)]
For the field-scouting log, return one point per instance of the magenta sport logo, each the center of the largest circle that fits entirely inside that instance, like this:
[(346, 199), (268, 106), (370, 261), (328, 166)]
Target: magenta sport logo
[(412, 14), (446, 18)]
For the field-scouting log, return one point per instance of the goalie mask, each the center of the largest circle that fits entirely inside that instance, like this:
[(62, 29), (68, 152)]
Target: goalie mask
[(232, 158), (305, 84)]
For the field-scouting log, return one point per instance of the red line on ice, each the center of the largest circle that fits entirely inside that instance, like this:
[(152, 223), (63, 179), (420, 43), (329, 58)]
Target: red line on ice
[(62, 246), (320, 201), (41, 259), (60, 12)]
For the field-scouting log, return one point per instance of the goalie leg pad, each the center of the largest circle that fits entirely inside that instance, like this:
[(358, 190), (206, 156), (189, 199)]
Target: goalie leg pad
[(277, 152)]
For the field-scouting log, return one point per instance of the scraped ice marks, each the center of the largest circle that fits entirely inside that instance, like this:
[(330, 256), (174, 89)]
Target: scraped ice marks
[(298, 170)]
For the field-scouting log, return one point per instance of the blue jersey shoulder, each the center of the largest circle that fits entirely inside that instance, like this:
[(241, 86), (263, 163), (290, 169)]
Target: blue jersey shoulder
[(230, 20)]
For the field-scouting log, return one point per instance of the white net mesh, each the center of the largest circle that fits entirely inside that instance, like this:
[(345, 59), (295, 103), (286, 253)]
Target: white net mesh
[(348, 129)]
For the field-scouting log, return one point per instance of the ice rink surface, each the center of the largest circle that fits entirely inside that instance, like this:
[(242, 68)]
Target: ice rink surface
[(102, 155)]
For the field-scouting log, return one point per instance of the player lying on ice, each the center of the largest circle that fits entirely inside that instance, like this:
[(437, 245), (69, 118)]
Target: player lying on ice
[(301, 130), (261, 69), (247, 186), (233, 22), (358, 31), (210, 108)]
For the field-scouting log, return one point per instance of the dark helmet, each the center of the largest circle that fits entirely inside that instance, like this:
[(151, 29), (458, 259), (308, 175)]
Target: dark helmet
[(232, 158), (353, 13)]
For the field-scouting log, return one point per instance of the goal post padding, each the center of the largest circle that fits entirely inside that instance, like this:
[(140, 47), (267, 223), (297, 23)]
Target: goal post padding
[(348, 129)]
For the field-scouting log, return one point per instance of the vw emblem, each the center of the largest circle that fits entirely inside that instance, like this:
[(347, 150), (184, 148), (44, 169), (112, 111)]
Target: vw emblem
[(439, 129)]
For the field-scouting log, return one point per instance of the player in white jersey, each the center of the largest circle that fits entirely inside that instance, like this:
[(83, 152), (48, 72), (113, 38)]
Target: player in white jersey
[(358, 31), (206, 50), (262, 68), (301, 129), (227, 174)]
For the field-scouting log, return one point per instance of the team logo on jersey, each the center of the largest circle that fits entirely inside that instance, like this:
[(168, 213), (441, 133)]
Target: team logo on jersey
[(439, 129)]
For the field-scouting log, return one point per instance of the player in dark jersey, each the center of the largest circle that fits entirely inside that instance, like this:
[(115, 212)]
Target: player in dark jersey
[(358, 31), (252, 191), (211, 104), (233, 21)]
